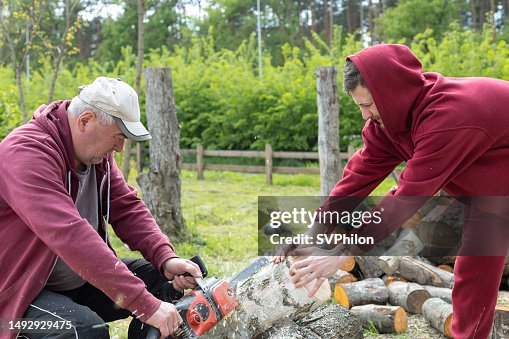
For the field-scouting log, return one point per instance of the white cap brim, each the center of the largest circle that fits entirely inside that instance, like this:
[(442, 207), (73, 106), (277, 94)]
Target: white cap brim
[(133, 130)]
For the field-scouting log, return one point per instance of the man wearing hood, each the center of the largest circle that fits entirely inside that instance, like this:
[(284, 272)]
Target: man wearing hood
[(453, 135), (59, 189)]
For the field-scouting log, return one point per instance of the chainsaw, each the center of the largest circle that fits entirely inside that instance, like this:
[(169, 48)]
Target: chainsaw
[(207, 303)]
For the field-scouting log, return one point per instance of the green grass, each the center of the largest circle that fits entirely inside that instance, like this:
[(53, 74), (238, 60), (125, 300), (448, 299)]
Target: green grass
[(222, 209)]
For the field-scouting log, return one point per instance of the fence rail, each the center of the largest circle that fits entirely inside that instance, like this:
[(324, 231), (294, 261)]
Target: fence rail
[(200, 166)]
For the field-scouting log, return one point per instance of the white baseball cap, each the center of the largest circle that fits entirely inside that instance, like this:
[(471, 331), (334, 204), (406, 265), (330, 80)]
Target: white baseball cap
[(118, 99)]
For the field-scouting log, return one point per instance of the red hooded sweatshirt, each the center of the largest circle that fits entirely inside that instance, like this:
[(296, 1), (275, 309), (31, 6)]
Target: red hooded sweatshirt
[(453, 133), (39, 220)]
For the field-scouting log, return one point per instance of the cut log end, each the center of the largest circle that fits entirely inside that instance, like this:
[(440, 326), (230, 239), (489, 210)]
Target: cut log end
[(400, 321), (340, 296), (386, 319), (349, 265)]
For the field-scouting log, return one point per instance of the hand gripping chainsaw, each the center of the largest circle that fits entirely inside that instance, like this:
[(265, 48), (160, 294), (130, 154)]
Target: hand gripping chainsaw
[(207, 303)]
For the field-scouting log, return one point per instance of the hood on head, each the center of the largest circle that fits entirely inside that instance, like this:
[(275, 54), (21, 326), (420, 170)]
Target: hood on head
[(393, 75)]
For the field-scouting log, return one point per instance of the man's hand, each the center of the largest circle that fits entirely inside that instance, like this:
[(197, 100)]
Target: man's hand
[(166, 319), (174, 269), (316, 267), (282, 253)]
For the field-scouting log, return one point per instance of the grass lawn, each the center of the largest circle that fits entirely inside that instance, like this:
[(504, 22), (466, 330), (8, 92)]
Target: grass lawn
[(222, 209)]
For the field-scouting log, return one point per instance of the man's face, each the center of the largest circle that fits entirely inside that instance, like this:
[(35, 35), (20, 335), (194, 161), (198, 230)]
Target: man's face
[(362, 97), (95, 142)]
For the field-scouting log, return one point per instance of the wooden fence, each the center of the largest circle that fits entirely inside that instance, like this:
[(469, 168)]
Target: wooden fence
[(200, 166)]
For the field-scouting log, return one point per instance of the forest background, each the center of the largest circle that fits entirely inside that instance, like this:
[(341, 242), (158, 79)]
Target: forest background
[(226, 98)]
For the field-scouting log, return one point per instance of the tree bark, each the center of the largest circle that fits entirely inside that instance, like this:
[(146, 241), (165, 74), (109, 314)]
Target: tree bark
[(331, 321), (328, 128), (443, 293), (424, 274), (410, 296), (161, 186), (389, 264), (265, 299), (369, 266), (369, 291), (439, 314), (386, 319), (407, 243)]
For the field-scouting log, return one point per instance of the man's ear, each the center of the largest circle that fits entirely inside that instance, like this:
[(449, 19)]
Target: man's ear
[(84, 119)]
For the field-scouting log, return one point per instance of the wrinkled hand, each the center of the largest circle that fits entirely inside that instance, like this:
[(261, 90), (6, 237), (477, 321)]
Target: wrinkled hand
[(174, 269), (316, 267), (167, 319)]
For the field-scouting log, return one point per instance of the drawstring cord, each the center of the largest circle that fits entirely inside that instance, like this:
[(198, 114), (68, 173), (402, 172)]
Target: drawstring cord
[(107, 203)]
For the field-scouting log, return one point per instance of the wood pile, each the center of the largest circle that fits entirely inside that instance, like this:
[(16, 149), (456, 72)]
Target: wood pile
[(374, 292)]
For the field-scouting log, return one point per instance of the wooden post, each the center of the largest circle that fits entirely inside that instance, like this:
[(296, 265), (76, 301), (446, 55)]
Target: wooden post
[(328, 128), (139, 159), (351, 151), (161, 185), (200, 165), (268, 164)]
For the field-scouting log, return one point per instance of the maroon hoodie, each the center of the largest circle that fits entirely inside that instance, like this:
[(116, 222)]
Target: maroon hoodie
[(39, 221), (453, 133)]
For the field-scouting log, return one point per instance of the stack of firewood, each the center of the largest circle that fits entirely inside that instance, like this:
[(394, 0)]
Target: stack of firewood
[(376, 291), (393, 286)]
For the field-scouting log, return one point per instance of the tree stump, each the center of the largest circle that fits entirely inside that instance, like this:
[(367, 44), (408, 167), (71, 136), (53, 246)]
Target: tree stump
[(161, 186)]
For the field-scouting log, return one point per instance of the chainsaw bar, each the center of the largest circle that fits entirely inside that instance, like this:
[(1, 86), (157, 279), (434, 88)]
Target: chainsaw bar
[(251, 269)]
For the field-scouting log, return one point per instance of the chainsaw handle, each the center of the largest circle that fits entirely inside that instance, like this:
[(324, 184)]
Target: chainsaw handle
[(153, 333), (198, 261)]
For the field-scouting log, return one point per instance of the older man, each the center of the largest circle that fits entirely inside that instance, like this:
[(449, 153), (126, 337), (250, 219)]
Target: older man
[(59, 189), (453, 134)]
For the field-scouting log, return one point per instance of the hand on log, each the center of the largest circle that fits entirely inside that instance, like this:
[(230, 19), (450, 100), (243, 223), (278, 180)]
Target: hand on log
[(319, 267)]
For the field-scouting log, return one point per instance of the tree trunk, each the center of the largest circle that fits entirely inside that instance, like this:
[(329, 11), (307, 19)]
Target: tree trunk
[(410, 296), (424, 274), (386, 319), (439, 314), (474, 14), (328, 128), (369, 291), (266, 298), (126, 161), (161, 185), (61, 49)]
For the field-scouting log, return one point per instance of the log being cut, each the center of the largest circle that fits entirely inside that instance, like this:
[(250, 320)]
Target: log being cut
[(266, 298)]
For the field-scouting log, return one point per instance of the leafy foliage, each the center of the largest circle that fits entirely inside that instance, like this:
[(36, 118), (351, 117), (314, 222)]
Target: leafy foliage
[(223, 103)]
